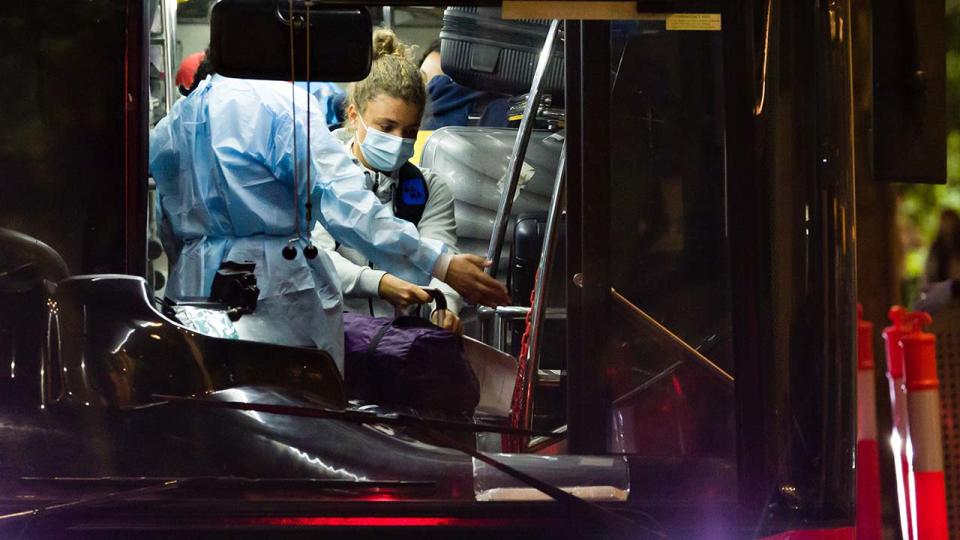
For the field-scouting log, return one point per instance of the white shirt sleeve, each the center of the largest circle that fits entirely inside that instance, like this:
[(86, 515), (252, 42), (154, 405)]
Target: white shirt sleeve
[(355, 280), (439, 222)]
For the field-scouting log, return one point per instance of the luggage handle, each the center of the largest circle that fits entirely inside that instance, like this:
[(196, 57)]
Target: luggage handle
[(438, 297), (416, 310)]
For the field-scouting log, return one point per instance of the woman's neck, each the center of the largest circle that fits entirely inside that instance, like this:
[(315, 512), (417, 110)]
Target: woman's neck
[(355, 149)]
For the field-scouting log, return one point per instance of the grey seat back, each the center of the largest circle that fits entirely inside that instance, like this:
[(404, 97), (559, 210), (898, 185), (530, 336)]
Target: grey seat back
[(473, 160)]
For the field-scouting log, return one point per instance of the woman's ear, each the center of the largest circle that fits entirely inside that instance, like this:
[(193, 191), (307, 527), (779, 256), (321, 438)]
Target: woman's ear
[(352, 116), (354, 121)]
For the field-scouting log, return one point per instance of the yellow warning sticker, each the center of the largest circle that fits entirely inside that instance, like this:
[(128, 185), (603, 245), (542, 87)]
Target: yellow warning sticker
[(694, 21)]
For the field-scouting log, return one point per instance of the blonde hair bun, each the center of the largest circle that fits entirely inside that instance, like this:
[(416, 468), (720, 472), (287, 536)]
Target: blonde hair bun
[(386, 43), (392, 73)]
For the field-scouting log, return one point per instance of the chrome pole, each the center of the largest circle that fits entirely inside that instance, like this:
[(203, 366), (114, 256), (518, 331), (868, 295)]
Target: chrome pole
[(388, 17), (519, 151), (169, 9), (539, 307)]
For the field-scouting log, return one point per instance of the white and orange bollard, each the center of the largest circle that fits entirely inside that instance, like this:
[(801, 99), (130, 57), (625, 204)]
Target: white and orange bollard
[(928, 490), (898, 408), (869, 519)]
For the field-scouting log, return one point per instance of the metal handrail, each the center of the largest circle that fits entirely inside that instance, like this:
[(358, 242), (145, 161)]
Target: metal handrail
[(538, 309), (520, 151), (169, 9), (501, 316), (672, 338)]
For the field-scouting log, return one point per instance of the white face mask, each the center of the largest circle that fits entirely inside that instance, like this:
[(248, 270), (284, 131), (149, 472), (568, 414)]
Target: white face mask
[(385, 152)]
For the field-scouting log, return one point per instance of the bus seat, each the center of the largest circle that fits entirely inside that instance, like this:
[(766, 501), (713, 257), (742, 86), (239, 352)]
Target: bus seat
[(473, 160)]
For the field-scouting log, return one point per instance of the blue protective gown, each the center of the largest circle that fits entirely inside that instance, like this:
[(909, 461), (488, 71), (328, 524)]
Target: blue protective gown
[(223, 163), (330, 96)]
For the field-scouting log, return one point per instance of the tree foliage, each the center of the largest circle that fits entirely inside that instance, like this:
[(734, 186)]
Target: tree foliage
[(920, 204)]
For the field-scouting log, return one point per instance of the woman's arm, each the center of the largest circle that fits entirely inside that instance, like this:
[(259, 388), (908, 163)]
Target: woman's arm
[(356, 281), (440, 223)]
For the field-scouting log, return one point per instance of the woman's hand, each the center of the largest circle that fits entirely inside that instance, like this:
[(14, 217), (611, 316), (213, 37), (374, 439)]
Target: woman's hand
[(465, 274), (447, 320), (401, 293)]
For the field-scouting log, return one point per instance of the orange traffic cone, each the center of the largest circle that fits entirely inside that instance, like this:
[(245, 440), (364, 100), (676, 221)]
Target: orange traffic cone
[(898, 408), (923, 405), (869, 521)]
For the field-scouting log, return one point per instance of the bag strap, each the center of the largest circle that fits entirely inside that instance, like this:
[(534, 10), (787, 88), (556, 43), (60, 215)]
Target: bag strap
[(375, 342), (410, 199), (438, 297)]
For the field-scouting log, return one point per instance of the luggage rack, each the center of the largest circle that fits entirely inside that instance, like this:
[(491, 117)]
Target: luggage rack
[(548, 116), (503, 316)]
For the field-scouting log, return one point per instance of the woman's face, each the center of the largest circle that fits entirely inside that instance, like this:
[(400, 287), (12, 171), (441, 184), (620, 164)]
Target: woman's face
[(387, 114)]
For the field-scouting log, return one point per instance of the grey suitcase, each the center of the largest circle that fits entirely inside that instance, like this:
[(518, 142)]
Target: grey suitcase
[(480, 50)]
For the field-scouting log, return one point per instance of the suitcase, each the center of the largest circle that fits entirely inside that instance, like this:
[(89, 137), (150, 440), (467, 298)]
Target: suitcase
[(527, 248), (480, 50), (525, 256)]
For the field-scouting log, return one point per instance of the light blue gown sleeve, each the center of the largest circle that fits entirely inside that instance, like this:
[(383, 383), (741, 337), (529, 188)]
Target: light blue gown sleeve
[(326, 94), (347, 210), (163, 162)]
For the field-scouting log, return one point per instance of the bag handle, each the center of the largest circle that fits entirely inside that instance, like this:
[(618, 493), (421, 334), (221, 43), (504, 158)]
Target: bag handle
[(438, 297)]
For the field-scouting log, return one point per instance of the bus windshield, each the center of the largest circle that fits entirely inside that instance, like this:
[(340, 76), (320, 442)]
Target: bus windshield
[(257, 295)]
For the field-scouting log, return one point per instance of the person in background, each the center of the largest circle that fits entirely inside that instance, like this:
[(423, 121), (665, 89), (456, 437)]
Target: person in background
[(383, 117), (230, 163), (331, 98), (190, 74), (196, 67), (943, 260), (187, 72), (450, 104)]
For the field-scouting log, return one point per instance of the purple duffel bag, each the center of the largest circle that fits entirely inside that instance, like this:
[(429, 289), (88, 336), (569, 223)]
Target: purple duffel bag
[(407, 361)]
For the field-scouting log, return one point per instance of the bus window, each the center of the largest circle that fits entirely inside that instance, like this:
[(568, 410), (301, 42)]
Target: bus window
[(668, 218), (668, 361)]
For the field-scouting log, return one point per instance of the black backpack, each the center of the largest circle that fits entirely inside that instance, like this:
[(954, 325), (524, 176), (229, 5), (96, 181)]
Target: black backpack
[(411, 196)]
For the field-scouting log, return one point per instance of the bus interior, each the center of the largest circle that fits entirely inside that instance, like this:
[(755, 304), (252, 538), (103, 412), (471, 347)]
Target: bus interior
[(668, 200)]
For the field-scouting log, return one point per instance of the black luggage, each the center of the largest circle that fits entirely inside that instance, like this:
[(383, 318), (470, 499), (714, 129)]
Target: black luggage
[(524, 263), (481, 51), (525, 256)]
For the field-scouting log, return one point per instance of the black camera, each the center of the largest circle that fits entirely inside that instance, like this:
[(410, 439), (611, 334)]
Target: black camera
[(235, 286)]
